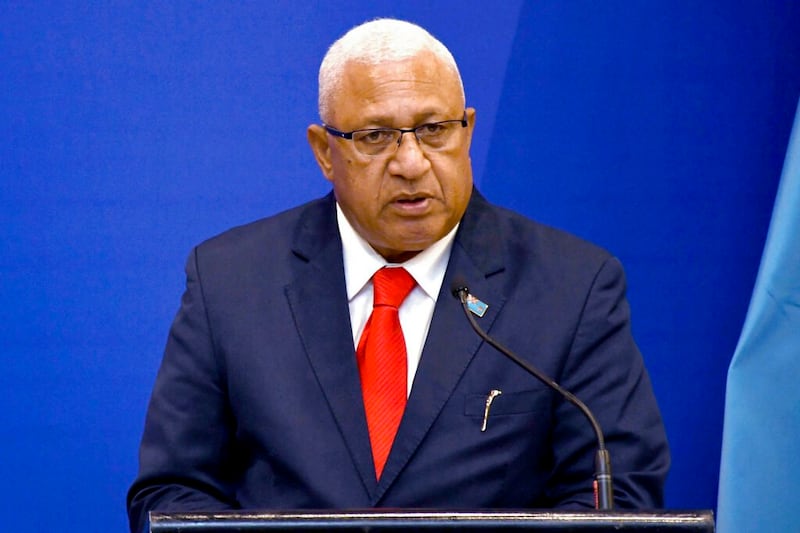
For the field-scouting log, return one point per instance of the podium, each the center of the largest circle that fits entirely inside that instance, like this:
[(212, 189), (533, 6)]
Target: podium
[(380, 520)]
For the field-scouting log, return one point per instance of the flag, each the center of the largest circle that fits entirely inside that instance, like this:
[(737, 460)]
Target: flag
[(759, 487)]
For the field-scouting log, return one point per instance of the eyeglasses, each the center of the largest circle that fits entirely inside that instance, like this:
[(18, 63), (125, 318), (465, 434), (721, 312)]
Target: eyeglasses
[(432, 137)]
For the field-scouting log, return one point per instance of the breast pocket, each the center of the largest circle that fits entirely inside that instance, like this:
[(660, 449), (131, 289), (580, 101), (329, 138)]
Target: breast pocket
[(507, 403)]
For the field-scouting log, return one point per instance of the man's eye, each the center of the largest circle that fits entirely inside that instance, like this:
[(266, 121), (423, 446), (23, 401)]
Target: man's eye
[(375, 136), (430, 130)]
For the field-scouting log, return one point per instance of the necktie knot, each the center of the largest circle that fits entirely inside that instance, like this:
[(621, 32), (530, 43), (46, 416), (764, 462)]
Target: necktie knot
[(391, 286)]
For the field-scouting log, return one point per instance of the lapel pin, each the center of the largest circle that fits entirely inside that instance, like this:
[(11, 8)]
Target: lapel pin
[(477, 307)]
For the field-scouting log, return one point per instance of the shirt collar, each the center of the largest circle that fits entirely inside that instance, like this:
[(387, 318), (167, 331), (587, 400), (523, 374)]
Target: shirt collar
[(361, 261)]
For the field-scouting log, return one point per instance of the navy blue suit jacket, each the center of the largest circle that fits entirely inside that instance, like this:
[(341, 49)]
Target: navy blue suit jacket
[(257, 403)]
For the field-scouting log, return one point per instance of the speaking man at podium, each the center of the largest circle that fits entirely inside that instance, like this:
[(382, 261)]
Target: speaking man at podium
[(319, 360)]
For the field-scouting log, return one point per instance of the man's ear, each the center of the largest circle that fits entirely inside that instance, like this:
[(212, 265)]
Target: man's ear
[(318, 139), (470, 112)]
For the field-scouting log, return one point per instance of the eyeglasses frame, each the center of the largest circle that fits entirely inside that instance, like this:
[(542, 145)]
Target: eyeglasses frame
[(349, 134)]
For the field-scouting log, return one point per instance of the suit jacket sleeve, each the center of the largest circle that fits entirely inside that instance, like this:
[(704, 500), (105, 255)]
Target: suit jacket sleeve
[(605, 369), (188, 431)]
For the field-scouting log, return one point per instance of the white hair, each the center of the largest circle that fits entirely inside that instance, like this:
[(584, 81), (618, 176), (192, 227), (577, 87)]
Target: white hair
[(375, 42)]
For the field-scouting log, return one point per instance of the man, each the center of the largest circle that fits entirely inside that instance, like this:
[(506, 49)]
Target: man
[(266, 396)]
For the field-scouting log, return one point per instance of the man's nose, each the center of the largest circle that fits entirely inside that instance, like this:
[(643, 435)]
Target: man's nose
[(409, 161)]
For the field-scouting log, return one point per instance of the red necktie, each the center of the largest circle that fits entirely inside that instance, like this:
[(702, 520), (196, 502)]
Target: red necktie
[(382, 361)]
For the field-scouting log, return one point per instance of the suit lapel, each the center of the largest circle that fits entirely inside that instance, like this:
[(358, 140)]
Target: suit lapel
[(476, 258), (318, 300)]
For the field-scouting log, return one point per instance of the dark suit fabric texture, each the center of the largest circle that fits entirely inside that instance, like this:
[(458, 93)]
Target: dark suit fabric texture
[(257, 404)]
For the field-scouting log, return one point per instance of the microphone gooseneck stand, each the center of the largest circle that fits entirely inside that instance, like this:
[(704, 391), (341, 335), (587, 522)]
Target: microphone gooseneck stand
[(603, 485)]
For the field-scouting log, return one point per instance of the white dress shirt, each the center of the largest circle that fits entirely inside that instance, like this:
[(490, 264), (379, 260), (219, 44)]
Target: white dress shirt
[(427, 268)]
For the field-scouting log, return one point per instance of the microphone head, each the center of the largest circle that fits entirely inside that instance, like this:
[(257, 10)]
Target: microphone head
[(459, 287)]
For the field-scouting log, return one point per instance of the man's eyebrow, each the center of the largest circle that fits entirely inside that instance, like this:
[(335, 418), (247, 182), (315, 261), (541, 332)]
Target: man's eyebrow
[(385, 121)]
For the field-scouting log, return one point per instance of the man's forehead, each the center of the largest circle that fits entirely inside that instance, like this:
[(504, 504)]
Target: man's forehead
[(415, 89), (422, 64), (400, 113)]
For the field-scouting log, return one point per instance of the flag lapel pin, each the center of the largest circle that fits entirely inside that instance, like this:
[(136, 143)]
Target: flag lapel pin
[(477, 307)]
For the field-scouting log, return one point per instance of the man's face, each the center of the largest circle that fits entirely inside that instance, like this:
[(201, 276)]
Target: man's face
[(403, 202)]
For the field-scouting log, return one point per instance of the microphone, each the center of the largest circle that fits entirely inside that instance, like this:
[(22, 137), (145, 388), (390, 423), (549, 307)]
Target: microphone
[(602, 485)]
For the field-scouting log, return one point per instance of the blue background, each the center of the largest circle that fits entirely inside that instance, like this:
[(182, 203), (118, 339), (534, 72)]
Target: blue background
[(130, 131)]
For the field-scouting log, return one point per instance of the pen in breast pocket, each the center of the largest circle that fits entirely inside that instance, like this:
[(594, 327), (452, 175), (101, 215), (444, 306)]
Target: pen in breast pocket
[(494, 393)]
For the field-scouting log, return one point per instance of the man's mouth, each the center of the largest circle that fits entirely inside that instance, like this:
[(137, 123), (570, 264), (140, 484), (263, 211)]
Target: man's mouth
[(413, 205)]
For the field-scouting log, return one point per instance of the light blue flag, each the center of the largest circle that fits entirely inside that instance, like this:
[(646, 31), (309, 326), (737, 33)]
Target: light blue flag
[(759, 487)]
